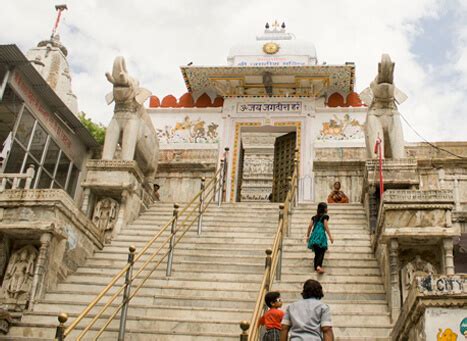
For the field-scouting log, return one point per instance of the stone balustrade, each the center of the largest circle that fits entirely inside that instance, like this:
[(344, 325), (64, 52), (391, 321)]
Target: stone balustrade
[(414, 233), (16, 178)]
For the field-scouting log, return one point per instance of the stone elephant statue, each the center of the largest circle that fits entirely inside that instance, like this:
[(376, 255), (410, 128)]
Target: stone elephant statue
[(130, 125), (383, 119)]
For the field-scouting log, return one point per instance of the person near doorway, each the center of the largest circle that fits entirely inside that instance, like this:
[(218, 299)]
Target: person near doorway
[(316, 236), (308, 319)]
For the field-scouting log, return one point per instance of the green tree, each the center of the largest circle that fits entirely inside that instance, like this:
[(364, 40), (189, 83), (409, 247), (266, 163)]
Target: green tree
[(97, 130)]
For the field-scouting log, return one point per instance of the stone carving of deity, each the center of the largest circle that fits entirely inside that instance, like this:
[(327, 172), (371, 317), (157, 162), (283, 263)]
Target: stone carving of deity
[(19, 276), (105, 217), (337, 196)]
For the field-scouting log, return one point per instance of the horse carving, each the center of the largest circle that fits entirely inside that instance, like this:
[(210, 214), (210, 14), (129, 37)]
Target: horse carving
[(130, 126)]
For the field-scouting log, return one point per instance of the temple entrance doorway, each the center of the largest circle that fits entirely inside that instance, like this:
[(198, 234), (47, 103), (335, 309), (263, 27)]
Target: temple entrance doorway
[(284, 153), (265, 161)]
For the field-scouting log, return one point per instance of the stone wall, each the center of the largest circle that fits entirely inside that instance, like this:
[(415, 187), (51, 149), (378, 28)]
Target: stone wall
[(180, 172), (49, 222), (434, 310)]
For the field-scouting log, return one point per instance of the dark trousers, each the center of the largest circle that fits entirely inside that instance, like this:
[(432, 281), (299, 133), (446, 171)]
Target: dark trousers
[(319, 256)]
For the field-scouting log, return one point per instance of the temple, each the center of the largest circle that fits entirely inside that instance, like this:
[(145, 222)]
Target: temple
[(195, 205)]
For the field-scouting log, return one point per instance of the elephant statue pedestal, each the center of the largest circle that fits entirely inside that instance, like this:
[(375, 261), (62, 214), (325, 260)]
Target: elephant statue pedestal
[(397, 174), (115, 192)]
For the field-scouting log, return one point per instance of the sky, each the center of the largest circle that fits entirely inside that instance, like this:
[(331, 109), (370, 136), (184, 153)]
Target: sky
[(427, 39)]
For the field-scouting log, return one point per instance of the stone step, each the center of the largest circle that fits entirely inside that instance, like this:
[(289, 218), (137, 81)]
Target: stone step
[(198, 263), (249, 228), (216, 276), (212, 232), (111, 334), (242, 240), (188, 324), (179, 263), (225, 279), (196, 254), (55, 307), (204, 245), (343, 333), (245, 291), (185, 271)]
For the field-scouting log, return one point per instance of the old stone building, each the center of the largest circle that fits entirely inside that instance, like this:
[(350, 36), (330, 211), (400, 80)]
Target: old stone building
[(241, 133)]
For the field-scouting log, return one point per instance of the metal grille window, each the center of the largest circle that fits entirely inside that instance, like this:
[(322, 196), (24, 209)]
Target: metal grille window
[(33, 145)]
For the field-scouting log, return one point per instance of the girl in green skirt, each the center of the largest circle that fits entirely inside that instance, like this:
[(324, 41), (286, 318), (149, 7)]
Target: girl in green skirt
[(317, 241)]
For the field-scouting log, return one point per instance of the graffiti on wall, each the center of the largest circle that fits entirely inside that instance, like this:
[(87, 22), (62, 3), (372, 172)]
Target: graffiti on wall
[(341, 128), (189, 131)]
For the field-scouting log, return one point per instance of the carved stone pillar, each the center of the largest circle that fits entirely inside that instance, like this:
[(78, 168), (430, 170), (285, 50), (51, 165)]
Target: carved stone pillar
[(395, 298), (40, 269), (122, 213), (448, 256), (86, 198)]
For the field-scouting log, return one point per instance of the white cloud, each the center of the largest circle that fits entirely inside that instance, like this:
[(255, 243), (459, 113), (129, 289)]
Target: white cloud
[(158, 37)]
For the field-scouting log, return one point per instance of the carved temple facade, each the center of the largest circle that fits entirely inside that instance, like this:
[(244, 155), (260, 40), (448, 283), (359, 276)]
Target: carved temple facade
[(271, 105)]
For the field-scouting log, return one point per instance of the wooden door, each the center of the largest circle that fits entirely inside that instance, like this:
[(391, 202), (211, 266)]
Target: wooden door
[(284, 153)]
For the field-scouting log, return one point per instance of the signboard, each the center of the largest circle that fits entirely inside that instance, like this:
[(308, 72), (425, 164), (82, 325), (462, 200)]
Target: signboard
[(271, 61), (269, 107), (69, 143)]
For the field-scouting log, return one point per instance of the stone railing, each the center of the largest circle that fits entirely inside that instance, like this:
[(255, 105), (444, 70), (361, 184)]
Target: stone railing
[(434, 305), (16, 178)]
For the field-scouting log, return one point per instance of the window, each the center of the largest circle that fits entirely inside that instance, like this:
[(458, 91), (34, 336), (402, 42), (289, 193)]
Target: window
[(33, 145), (62, 170), (24, 130), (51, 157), (38, 143)]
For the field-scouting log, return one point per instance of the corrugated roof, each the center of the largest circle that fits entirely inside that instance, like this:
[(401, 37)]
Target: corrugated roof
[(13, 57)]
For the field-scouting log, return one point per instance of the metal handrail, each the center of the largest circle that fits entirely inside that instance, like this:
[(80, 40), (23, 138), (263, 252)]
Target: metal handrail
[(180, 223), (273, 264)]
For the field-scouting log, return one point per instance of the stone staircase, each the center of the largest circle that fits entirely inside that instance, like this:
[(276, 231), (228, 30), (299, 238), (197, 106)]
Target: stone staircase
[(216, 277), (214, 283), (352, 283)]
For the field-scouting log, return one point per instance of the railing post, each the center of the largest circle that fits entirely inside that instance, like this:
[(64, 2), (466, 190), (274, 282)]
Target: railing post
[(172, 240), (267, 266), (279, 261), (59, 334), (30, 173), (224, 177), (297, 182), (288, 213), (126, 293), (201, 203), (244, 325), (221, 176)]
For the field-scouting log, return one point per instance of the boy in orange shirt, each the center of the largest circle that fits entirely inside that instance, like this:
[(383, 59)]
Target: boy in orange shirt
[(273, 317)]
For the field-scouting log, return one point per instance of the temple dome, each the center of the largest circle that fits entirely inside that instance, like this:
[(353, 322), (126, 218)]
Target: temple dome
[(284, 50)]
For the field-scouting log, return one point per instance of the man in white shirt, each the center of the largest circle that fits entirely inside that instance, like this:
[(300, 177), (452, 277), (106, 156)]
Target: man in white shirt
[(308, 319)]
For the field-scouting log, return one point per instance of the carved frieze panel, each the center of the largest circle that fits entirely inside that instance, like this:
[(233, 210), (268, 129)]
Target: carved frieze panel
[(105, 216), (17, 283), (201, 128), (415, 268), (406, 218), (341, 128)]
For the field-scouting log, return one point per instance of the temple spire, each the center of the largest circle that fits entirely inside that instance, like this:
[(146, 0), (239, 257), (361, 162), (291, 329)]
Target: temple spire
[(53, 66)]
